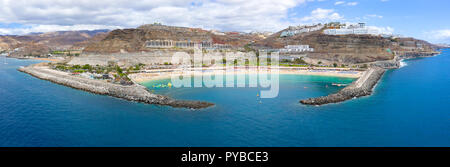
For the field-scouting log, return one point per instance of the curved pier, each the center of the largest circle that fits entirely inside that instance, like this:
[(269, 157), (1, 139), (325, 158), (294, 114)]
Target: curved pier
[(361, 87), (134, 92)]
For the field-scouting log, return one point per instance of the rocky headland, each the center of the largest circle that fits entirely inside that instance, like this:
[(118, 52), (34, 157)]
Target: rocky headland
[(361, 87), (365, 84)]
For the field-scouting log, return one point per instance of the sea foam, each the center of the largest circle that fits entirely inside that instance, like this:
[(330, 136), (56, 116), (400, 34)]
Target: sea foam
[(403, 64)]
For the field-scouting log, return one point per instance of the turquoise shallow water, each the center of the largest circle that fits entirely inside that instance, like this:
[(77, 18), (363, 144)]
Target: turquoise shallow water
[(410, 107)]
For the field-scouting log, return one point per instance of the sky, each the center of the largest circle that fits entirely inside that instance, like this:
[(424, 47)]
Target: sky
[(423, 19)]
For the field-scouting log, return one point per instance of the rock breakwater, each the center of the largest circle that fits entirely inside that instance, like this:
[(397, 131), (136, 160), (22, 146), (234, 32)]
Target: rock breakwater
[(137, 93), (361, 87)]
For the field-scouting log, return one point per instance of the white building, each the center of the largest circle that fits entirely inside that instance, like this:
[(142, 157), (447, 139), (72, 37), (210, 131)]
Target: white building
[(296, 49), (295, 30), (185, 44), (357, 29)]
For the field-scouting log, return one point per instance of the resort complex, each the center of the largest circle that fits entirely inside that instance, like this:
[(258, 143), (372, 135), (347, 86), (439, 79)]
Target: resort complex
[(185, 44), (119, 61), (218, 73)]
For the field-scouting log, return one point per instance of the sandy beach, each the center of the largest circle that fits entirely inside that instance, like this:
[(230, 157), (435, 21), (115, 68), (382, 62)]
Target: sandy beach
[(48, 59), (151, 75)]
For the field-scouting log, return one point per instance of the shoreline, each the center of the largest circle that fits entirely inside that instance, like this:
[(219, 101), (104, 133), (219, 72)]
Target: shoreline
[(154, 75), (362, 87), (366, 84), (47, 59)]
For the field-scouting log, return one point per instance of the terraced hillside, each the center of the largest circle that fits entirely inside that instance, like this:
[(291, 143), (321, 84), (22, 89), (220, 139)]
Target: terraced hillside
[(133, 40), (347, 49)]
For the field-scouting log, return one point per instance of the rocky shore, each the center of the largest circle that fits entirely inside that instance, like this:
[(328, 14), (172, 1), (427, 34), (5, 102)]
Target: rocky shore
[(137, 93), (411, 55), (365, 84), (361, 87)]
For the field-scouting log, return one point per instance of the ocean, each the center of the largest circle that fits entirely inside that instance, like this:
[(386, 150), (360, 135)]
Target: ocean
[(410, 107)]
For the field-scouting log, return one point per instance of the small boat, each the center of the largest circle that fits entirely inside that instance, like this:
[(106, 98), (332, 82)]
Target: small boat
[(334, 84), (162, 85)]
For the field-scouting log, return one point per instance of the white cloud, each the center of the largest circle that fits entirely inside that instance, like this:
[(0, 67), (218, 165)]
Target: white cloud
[(50, 28), (241, 15), (322, 15), (352, 3), (381, 30), (375, 29), (346, 3), (438, 36), (339, 3), (374, 16)]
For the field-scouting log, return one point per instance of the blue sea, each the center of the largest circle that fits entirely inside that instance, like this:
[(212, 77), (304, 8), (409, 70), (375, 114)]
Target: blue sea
[(410, 107)]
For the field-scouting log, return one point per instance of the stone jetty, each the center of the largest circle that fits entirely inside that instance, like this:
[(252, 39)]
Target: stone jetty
[(361, 87), (137, 93)]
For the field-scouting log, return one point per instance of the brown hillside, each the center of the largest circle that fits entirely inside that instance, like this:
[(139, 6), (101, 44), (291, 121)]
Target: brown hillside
[(349, 49), (133, 40)]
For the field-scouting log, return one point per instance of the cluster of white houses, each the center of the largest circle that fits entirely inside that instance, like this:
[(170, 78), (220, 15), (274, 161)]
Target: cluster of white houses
[(295, 30), (296, 49), (185, 44), (342, 29)]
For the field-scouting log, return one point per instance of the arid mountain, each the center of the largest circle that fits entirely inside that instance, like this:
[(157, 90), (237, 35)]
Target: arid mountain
[(343, 49), (133, 40), (96, 38), (40, 43)]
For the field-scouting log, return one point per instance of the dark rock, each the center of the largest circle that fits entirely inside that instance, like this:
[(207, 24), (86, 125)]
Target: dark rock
[(361, 87)]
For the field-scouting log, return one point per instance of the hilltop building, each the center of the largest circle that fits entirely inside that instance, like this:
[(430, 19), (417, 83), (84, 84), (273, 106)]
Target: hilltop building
[(336, 28), (185, 44), (296, 49), (296, 30)]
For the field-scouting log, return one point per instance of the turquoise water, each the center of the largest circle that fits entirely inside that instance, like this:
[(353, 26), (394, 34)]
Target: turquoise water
[(410, 107)]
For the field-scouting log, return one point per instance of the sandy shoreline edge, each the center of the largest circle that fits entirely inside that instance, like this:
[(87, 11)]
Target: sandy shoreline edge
[(153, 75)]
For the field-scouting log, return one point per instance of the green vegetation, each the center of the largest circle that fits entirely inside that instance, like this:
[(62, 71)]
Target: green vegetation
[(65, 52), (298, 62), (120, 75), (119, 70), (138, 67), (294, 65), (57, 52), (247, 48), (87, 67)]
